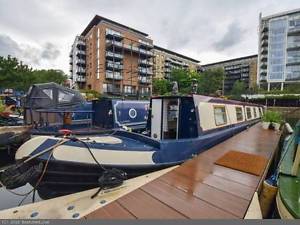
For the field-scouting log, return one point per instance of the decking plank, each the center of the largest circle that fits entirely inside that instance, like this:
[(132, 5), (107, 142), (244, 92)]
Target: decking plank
[(201, 189), (218, 198), (185, 203), (144, 206), (112, 211)]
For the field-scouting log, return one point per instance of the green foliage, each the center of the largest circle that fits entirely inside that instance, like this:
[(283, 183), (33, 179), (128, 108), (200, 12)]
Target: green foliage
[(211, 81), (288, 89), (15, 75), (91, 94), (238, 89), (2, 107), (272, 116), (161, 86), (208, 82)]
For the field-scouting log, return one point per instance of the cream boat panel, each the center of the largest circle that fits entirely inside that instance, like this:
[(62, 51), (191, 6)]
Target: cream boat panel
[(108, 157), (28, 147)]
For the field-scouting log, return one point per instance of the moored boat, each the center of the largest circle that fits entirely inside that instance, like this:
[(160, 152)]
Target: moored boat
[(179, 127), (288, 195)]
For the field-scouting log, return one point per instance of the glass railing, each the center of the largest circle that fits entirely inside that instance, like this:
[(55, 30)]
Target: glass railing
[(116, 43), (293, 60), (145, 62), (115, 55), (144, 80), (114, 65), (294, 29), (293, 75), (293, 45), (111, 75), (110, 32)]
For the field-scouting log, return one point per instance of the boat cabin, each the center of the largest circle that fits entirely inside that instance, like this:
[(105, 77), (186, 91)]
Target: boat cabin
[(181, 117)]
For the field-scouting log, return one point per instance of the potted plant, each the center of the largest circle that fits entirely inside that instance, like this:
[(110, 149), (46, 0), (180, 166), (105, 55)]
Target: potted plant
[(276, 120), (271, 118), (266, 121)]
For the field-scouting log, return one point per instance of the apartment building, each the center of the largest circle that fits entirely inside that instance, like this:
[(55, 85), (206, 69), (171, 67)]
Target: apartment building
[(279, 50), (165, 61), (78, 63), (119, 59), (238, 69)]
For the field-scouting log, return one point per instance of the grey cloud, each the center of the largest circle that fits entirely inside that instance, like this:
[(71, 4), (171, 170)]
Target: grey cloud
[(232, 37), (8, 46), (50, 51), (28, 53)]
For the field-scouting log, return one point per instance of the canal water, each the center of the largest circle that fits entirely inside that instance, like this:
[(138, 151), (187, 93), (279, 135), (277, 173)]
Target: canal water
[(9, 200)]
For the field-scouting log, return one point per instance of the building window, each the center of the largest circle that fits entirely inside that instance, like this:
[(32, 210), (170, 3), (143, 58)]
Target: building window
[(239, 114), (249, 114), (220, 115)]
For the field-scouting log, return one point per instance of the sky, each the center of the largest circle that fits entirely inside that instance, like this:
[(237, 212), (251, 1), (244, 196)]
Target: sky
[(40, 33)]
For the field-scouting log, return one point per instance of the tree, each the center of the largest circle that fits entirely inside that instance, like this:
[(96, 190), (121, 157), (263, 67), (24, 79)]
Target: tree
[(238, 89), (14, 74), (211, 81), (161, 86)]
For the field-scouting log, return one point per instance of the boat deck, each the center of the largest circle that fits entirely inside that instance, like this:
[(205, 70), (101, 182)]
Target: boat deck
[(199, 188)]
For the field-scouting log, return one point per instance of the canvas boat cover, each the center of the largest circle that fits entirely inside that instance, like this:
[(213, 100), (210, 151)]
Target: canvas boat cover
[(52, 96)]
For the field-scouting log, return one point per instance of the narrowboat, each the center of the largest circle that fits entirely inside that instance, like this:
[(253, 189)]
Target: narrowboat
[(288, 195), (51, 107), (178, 128)]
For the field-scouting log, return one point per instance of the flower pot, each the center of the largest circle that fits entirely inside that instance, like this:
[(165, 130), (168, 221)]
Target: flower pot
[(276, 126), (265, 125)]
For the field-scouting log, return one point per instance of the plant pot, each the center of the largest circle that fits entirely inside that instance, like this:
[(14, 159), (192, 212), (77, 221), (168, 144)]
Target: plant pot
[(276, 126), (265, 125)]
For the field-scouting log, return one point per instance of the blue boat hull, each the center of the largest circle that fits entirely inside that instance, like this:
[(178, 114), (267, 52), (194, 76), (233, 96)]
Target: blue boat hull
[(65, 177)]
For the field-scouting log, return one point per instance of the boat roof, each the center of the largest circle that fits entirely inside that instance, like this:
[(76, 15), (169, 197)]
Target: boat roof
[(210, 99)]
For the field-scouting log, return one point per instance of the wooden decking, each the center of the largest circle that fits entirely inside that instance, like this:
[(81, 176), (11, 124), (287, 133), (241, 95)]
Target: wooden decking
[(198, 188)]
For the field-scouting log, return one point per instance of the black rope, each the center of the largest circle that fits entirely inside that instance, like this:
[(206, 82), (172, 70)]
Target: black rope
[(110, 178)]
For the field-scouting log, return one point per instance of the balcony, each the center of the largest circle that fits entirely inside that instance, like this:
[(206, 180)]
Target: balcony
[(80, 79), (263, 65), (113, 44), (111, 34), (113, 75), (293, 61), (144, 80), (145, 45), (145, 71), (129, 93), (293, 46), (145, 63), (265, 28), (80, 62), (293, 76), (113, 65), (80, 71), (264, 50), (263, 78), (80, 53), (112, 55), (264, 58), (263, 72), (294, 30), (264, 43), (264, 36), (80, 43)]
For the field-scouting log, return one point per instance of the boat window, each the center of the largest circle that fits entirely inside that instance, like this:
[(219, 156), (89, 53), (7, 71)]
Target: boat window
[(248, 111), (170, 123), (255, 113), (239, 113), (220, 115)]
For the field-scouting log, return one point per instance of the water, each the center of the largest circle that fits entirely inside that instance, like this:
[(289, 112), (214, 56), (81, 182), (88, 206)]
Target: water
[(7, 199)]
